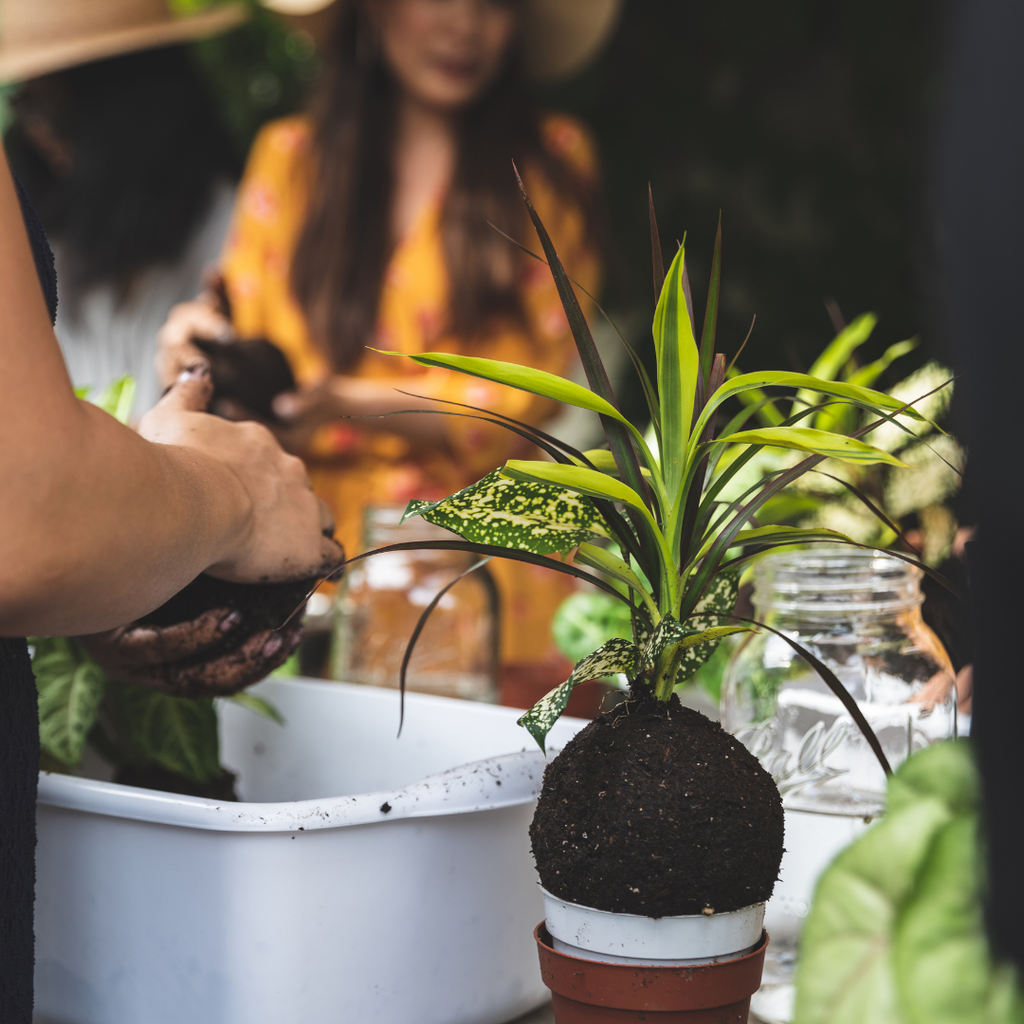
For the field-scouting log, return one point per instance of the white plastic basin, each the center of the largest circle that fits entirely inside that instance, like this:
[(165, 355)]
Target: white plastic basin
[(309, 903)]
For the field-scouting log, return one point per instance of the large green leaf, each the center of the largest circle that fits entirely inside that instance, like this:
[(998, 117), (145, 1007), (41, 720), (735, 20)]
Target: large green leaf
[(71, 687), (617, 655), (895, 933), (516, 514), (177, 733), (816, 442), (611, 565), (678, 366)]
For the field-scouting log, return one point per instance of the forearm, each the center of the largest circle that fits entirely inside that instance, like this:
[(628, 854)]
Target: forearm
[(101, 526)]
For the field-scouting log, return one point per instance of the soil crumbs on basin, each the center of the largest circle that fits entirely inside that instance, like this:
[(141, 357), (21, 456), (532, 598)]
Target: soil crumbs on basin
[(653, 809)]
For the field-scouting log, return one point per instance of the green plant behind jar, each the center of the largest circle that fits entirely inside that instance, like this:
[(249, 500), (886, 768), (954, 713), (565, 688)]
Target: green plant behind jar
[(650, 519), (834, 494)]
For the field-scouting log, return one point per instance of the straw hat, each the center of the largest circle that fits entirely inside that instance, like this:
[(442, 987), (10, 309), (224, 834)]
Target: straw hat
[(40, 36), (560, 35)]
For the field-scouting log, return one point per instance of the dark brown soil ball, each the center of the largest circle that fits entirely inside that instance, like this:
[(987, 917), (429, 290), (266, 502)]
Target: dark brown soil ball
[(262, 606), (653, 809), (251, 373)]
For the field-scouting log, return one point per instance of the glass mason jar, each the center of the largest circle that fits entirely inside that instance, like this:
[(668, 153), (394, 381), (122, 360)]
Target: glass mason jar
[(859, 612), (382, 599)]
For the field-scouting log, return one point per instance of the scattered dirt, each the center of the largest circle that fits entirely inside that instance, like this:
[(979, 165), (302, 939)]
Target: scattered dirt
[(653, 809), (153, 777), (250, 373)]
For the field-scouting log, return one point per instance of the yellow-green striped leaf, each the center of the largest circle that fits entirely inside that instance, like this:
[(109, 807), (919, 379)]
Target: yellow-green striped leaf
[(678, 366), (816, 442)]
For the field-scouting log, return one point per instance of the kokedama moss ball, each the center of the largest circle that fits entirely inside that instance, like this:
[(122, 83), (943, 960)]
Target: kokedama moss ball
[(653, 809)]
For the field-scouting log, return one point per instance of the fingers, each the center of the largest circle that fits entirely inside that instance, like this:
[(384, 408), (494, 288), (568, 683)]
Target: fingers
[(155, 645), (221, 677), (192, 391), (326, 518), (289, 405)]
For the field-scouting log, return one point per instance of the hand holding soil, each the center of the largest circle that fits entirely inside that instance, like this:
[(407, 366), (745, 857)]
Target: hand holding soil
[(288, 530), (213, 653)]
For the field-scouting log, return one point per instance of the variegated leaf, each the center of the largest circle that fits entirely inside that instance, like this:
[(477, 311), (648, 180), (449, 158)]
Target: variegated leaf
[(616, 655), (515, 514), (719, 600), (672, 634), (667, 633)]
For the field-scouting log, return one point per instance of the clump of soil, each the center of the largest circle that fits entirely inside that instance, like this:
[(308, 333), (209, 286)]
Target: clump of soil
[(151, 776), (653, 809), (262, 606), (251, 373)]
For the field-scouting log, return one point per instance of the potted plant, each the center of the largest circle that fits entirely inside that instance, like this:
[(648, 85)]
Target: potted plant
[(655, 830)]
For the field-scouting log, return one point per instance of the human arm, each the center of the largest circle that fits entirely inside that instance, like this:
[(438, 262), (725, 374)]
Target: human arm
[(99, 525)]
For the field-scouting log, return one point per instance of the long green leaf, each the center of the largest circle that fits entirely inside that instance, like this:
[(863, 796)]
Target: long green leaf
[(874, 401), (838, 351), (525, 516), (536, 382), (816, 442), (678, 367), (867, 375), (610, 565), (615, 429), (615, 656)]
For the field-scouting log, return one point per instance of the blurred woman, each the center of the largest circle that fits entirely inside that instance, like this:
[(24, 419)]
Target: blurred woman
[(116, 138), (368, 225)]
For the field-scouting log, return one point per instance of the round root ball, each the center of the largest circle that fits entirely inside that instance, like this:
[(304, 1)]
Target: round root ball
[(653, 809)]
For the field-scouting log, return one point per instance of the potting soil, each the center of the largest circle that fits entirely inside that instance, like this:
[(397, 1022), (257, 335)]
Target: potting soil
[(653, 809)]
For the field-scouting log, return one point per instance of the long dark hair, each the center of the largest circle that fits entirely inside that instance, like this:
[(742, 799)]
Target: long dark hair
[(345, 245), (147, 147)]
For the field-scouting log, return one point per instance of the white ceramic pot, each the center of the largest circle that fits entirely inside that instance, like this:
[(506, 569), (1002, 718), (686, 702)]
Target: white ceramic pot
[(616, 938), (364, 879)]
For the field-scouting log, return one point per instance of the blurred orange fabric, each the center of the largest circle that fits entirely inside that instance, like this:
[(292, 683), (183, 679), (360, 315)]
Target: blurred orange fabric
[(352, 467)]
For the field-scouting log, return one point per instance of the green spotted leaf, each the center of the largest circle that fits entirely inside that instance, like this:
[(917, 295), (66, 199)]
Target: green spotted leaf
[(617, 655), (71, 687), (522, 516), (718, 602), (670, 633)]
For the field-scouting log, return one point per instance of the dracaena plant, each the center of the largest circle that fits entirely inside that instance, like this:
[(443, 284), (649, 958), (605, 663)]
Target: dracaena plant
[(648, 518)]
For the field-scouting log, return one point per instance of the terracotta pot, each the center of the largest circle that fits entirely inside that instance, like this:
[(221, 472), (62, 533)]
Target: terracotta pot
[(589, 992)]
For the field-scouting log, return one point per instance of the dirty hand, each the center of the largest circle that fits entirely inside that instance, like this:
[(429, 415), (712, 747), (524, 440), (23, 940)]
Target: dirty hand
[(203, 317), (283, 531), (189, 659)]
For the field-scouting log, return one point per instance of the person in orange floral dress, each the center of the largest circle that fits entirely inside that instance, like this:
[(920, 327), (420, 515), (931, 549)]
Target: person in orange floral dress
[(364, 230)]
